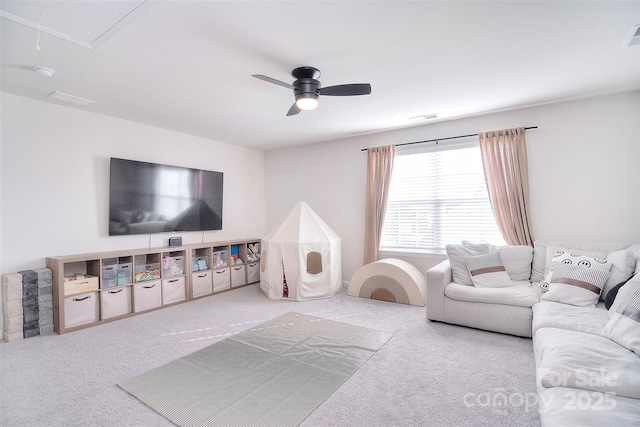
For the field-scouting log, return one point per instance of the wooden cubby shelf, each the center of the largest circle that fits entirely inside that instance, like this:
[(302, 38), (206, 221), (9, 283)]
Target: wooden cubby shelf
[(90, 289)]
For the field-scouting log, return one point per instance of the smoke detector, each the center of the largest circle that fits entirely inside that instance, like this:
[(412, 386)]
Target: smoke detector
[(44, 71)]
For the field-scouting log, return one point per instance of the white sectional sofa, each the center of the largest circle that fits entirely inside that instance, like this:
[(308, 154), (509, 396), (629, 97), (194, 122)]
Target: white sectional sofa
[(587, 373)]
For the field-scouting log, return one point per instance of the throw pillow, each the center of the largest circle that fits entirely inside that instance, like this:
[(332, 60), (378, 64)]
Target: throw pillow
[(623, 293), (611, 295), (623, 263), (517, 261), (487, 271), (539, 260), (554, 250), (457, 253), (575, 285), (624, 326), (572, 258)]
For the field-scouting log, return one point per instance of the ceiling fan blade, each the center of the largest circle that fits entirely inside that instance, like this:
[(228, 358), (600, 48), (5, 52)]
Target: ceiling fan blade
[(293, 110), (347, 90), (20, 67), (272, 80)]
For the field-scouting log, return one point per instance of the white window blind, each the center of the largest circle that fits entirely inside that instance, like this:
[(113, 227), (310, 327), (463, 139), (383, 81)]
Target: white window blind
[(436, 198)]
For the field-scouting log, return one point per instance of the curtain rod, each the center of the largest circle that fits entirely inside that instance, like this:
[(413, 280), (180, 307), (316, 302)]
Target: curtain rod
[(444, 139)]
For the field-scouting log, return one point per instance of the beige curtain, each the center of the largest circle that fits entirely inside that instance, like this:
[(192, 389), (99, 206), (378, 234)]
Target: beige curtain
[(504, 156), (379, 167)]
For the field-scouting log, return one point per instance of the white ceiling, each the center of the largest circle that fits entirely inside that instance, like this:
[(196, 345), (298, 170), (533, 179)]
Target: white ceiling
[(187, 65)]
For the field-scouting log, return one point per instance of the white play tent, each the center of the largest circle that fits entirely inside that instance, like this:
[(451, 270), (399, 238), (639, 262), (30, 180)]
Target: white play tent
[(301, 258)]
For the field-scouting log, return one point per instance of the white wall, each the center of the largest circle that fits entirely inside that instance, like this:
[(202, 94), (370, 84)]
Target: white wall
[(54, 168), (55, 181), (583, 167)]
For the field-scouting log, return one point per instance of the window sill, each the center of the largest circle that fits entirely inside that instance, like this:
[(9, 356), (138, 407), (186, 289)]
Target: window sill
[(426, 253)]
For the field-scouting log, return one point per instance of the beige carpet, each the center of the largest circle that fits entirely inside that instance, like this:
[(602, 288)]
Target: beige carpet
[(423, 376), (274, 374)]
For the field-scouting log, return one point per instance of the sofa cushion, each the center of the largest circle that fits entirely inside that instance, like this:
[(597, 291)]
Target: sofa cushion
[(487, 271), (521, 294), (517, 261), (541, 255), (550, 314), (635, 248), (575, 284), (623, 264), (624, 326), (571, 359), (624, 293), (457, 253), (611, 295)]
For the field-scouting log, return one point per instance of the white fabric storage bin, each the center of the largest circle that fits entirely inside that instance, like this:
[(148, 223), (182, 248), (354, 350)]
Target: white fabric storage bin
[(147, 295), (115, 302), (238, 277), (173, 290), (202, 283), (221, 279), (80, 309), (253, 272)]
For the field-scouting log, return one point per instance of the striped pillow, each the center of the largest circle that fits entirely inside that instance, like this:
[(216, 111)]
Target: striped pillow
[(487, 271), (576, 284), (624, 325)]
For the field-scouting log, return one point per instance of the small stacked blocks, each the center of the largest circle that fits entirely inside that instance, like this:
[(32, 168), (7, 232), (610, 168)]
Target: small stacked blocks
[(27, 304), (30, 326), (45, 300), (12, 307)]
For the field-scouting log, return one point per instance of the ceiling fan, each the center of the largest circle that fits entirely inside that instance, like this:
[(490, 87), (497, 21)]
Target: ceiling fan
[(307, 89)]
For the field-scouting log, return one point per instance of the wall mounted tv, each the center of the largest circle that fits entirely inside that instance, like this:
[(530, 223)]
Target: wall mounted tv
[(147, 198)]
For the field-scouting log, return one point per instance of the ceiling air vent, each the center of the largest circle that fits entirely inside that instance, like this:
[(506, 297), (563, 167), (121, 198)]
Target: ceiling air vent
[(431, 116), (70, 98), (634, 36)]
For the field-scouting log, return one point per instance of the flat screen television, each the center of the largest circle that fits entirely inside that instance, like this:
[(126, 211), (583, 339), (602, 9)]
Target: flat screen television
[(147, 198)]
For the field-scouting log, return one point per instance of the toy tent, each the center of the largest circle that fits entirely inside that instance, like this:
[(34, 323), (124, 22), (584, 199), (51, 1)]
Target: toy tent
[(301, 258)]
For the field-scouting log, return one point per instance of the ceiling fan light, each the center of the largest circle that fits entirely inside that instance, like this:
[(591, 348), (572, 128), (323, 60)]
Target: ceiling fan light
[(307, 102)]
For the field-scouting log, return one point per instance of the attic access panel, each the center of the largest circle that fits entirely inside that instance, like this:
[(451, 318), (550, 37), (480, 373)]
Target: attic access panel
[(86, 23)]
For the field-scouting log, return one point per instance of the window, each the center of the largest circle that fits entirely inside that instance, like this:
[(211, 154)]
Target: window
[(438, 196), (314, 263)]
